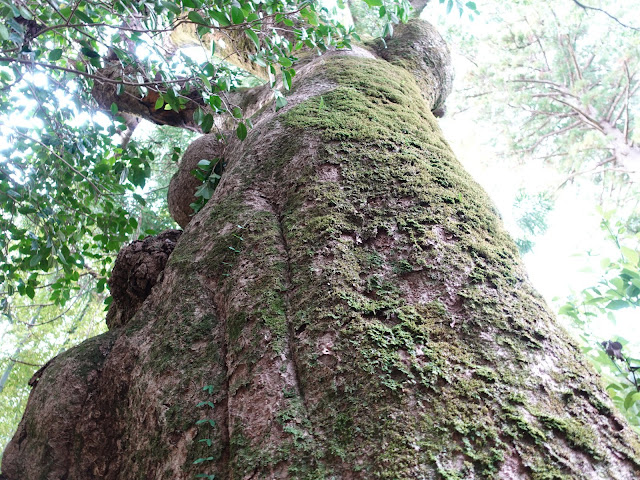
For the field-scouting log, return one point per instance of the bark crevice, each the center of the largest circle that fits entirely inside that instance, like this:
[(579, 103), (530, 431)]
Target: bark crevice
[(220, 309), (287, 312)]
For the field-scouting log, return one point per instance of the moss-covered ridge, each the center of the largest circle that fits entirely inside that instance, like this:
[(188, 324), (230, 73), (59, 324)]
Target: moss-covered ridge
[(434, 328), (383, 275)]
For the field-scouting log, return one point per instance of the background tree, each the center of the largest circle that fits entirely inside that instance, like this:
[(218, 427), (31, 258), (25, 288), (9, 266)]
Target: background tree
[(565, 87), (562, 83)]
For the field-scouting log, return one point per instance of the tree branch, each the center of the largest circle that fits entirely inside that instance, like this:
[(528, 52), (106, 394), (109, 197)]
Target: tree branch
[(615, 19), (15, 360), (614, 102), (583, 172), (585, 116), (626, 104), (551, 134)]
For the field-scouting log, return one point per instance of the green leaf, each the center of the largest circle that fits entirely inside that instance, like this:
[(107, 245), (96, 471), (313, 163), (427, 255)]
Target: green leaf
[(4, 32), (374, 3), (82, 16), (30, 291), (195, 17), (159, 103), (24, 13), (202, 460), (388, 30), (139, 199), (198, 116), (171, 6), (617, 305), (54, 54), (208, 441), (35, 260), (630, 254), (286, 77), (220, 17), (205, 81), (254, 38), (236, 112), (285, 62), (199, 174), (207, 123), (215, 101), (241, 131), (449, 6), (114, 108), (310, 16), (237, 15), (209, 70), (280, 100), (207, 403), (631, 398), (206, 420), (89, 52)]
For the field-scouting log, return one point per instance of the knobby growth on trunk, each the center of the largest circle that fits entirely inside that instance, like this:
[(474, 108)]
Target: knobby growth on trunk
[(347, 305)]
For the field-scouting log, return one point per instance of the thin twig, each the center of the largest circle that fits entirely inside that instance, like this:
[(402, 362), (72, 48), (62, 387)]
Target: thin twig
[(90, 75), (588, 7), (15, 360)]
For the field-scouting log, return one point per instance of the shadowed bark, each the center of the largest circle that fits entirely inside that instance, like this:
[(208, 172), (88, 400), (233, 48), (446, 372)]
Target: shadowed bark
[(137, 269), (346, 306)]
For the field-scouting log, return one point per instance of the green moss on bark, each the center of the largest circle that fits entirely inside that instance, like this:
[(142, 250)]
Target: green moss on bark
[(400, 198)]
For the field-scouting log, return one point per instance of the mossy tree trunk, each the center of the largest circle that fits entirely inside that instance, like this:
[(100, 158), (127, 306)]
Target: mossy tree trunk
[(347, 306)]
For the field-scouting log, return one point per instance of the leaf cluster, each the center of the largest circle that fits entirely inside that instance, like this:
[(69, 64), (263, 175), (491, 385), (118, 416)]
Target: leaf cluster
[(618, 290)]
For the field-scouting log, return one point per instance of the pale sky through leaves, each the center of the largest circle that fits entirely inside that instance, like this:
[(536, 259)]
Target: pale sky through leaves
[(567, 257)]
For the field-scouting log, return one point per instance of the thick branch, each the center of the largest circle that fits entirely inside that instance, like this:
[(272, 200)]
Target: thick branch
[(107, 86)]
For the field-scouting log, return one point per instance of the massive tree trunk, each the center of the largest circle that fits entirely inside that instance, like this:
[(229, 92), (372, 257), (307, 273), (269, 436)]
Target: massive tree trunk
[(346, 306)]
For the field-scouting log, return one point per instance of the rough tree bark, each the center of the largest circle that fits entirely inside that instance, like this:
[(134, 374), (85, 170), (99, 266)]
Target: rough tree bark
[(352, 307)]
